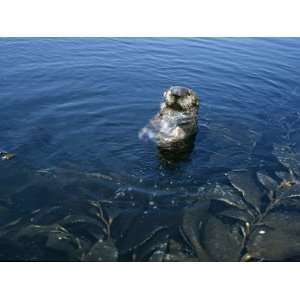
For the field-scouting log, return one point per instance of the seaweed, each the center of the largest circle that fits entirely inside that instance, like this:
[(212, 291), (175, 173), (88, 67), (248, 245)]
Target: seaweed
[(248, 214)]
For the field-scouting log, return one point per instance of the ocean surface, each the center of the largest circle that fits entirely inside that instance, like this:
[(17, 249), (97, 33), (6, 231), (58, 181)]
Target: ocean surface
[(83, 186)]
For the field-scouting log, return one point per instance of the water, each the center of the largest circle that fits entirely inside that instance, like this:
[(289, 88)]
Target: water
[(71, 110)]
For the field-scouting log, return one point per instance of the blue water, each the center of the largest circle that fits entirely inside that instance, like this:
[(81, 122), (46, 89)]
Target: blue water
[(74, 106)]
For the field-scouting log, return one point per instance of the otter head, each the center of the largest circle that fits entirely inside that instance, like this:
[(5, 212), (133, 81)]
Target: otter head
[(181, 99)]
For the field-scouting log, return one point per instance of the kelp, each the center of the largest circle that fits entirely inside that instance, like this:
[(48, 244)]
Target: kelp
[(192, 221), (153, 249), (262, 224), (225, 194), (176, 252), (248, 214), (223, 242), (84, 227), (146, 227), (245, 182), (49, 238), (274, 236), (102, 251), (277, 239), (288, 158)]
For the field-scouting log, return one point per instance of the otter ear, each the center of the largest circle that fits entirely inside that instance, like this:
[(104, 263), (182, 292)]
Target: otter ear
[(165, 94)]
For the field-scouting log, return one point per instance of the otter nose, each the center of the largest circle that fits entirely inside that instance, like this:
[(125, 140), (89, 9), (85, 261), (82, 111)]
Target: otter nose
[(175, 96)]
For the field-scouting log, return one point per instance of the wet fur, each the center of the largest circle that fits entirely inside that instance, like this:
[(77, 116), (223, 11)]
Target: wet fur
[(180, 106)]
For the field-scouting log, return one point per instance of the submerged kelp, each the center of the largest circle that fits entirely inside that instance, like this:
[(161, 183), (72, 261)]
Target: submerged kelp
[(248, 214), (240, 214)]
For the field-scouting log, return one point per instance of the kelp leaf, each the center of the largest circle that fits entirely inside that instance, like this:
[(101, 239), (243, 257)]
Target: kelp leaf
[(287, 157), (288, 192), (225, 194), (237, 214), (193, 218), (245, 182), (223, 242), (82, 225), (277, 239), (144, 227), (269, 183), (154, 248), (175, 253), (102, 251)]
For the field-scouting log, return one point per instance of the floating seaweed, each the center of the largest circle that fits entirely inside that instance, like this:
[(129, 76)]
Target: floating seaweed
[(245, 182), (277, 238), (193, 219), (102, 251), (244, 215), (222, 241), (48, 240)]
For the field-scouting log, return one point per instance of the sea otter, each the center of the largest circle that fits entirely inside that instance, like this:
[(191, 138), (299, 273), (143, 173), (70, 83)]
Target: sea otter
[(176, 123)]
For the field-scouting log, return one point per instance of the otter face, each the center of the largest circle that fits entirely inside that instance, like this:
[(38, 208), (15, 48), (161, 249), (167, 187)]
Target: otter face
[(181, 99)]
